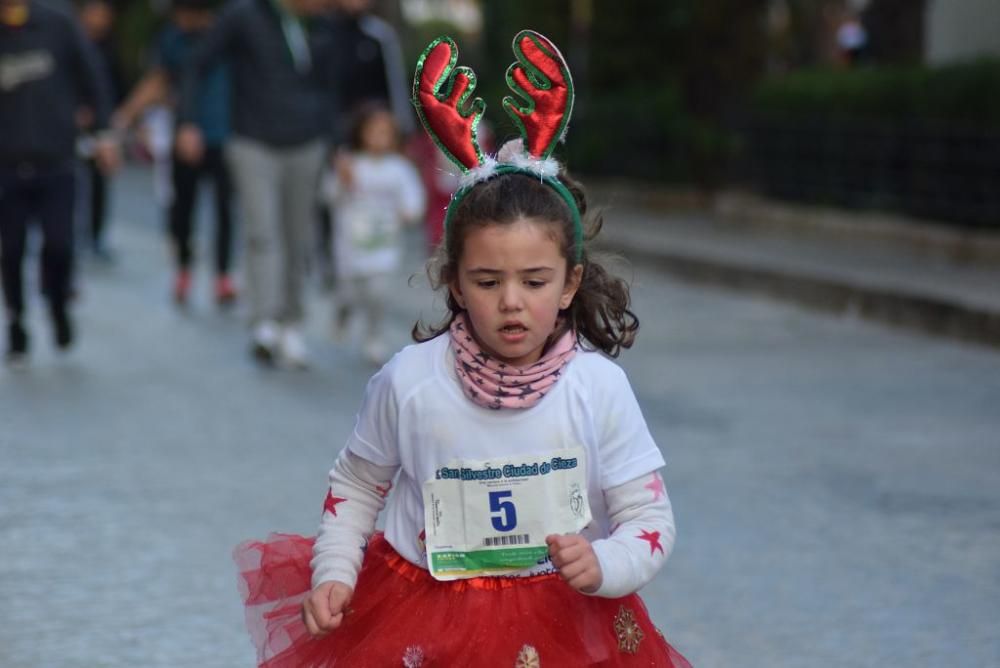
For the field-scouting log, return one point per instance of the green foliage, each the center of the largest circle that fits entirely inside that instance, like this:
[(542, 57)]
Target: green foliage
[(962, 93), (646, 134), (416, 38), (968, 92), (655, 80), (136, 26)]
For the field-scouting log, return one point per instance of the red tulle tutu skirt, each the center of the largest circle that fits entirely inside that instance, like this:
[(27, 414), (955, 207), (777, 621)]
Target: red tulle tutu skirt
[(401, 616)]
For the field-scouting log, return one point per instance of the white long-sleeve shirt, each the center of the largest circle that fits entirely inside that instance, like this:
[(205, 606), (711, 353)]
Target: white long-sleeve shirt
[(415, 416), (639, 544)]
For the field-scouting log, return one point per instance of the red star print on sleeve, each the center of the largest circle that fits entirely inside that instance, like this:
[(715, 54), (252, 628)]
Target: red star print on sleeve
[(656, 486), (330, 505), (653, 538)]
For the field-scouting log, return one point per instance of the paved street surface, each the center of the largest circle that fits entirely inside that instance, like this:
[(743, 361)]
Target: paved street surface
[(836, 483)]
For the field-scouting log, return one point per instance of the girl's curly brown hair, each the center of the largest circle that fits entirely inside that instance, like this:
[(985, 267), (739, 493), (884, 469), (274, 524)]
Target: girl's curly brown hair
[(599, 313)]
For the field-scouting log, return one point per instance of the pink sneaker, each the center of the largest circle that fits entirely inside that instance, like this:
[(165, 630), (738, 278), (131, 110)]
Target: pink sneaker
[(182, 286), (225, 291)]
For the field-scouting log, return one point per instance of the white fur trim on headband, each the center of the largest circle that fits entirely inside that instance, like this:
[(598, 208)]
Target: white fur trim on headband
[(511, 153), (480, 173)]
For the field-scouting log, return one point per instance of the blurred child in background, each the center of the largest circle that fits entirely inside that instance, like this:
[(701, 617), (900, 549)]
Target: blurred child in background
[(382, 192)]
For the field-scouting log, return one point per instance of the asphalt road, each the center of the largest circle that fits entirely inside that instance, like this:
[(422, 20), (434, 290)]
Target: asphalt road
[(836, 484)]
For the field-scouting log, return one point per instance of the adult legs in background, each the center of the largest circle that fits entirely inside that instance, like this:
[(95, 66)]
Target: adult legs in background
[(14, 212), (324, 247), (184, 177), (48, 195), (55, 213), (298, 206), (215, 165), (98, 195), (298, 209), (257, 177)]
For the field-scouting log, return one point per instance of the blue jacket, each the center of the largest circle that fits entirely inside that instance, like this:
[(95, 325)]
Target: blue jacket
[(175, 50)]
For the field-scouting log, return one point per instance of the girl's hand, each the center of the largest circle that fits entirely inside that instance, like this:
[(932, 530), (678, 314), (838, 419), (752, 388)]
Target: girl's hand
[(325, 607), (573, 555)]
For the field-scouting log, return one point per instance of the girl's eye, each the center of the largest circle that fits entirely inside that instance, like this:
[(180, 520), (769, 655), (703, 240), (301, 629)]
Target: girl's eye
[(486, 284), (535, 284)]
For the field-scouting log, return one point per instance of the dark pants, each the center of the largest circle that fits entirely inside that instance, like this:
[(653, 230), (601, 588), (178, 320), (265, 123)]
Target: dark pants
[(182, 211), (98, 204), (44, 194)]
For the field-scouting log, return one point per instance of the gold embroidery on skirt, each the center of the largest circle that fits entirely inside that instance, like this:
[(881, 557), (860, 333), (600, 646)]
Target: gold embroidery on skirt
[(628, 631), (528, 658)]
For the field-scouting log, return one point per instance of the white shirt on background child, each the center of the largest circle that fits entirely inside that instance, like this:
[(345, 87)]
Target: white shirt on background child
[(368, 215)]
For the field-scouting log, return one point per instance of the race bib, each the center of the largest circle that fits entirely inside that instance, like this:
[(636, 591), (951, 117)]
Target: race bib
[(492, 517), (370, 227)]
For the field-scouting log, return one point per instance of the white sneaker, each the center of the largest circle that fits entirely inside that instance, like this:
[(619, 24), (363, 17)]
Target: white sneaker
[(266, 336), (293, 349)]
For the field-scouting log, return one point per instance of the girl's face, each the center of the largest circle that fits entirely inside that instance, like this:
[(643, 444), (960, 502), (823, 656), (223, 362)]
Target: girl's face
[(379, 133), (512, 281)]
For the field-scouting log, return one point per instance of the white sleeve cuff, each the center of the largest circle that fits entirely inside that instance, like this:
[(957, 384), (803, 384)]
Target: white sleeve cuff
[(642, 536), (356, 495)]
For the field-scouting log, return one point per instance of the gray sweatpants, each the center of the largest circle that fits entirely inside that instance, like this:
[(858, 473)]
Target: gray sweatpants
[(276, 188)]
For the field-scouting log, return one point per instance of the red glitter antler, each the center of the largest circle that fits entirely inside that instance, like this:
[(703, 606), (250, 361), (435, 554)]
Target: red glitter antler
[(541, 79), (440, 95)]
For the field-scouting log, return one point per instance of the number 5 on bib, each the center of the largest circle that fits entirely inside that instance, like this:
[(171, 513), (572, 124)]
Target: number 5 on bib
[(491, 518)]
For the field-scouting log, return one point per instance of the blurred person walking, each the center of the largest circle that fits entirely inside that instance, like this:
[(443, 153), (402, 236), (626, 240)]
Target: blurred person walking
[(97, 17), (371, 63), (188, 24), (47, 71), (283, 114), (369, 66), (384, 193)]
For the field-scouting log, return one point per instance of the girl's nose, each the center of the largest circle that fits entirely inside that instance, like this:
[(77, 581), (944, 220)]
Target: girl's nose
[(510, 298)]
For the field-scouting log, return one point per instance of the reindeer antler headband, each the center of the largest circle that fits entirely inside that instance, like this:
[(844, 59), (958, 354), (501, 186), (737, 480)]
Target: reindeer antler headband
[(541, 81)]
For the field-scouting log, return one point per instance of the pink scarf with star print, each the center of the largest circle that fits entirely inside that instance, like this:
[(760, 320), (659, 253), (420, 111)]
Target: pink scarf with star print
[(494, 384)]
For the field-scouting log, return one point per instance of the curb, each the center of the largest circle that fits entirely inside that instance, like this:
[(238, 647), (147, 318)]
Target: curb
[(896, 308), (745, 208), (956, 244)]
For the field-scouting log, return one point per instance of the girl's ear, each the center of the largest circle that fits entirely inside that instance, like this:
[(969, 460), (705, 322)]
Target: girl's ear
[(456, 292), (573, 279)]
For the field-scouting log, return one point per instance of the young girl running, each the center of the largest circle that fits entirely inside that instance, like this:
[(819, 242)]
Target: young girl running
[(527, 507)]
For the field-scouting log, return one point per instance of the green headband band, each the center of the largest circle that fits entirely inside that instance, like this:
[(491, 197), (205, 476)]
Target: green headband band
[(551, 182)]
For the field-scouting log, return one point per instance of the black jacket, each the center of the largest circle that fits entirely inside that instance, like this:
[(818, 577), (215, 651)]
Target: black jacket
[(272, 102), (47, 70), (371, 67)]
